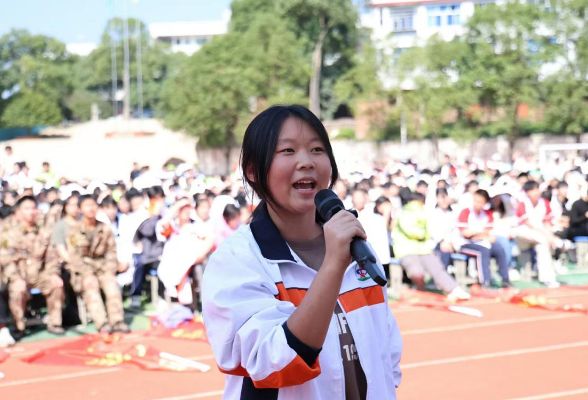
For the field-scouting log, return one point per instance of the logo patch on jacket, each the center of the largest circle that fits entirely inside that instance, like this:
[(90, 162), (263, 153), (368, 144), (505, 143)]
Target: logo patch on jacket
[(361, 273)]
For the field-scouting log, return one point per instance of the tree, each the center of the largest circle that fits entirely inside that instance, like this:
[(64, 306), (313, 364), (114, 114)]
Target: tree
[(324, 25), (36, 63), (28, 109), (212, 95), (209, 96), (506, 47), (94, 74), (567, 90)]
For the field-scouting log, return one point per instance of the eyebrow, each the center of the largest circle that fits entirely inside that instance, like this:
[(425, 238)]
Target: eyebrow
[(288, 140)]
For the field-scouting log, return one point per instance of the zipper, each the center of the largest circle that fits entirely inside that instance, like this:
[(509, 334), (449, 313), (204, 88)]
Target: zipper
[(339, 351)]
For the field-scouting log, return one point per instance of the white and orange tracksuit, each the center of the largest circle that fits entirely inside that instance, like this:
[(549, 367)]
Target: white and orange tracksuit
[(252, 284)]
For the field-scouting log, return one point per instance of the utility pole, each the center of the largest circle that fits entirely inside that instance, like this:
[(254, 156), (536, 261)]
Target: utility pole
[(139, 69), (126, 73), (114, 75)]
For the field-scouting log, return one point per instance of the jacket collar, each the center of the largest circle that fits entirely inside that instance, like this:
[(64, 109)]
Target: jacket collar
[(268, 238)]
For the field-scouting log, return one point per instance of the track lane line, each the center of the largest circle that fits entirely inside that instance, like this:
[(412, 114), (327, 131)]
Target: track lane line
[(554, 395), (509, 321), (498, 354)]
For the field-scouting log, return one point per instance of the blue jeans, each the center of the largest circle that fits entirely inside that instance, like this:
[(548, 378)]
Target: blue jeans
[(507, 246)]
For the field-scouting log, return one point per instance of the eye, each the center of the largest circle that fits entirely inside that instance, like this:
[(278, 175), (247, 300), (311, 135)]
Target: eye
[(318, 150), (286, 151)]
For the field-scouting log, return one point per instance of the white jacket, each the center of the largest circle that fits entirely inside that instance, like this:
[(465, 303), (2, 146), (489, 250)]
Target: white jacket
[(252, 284)]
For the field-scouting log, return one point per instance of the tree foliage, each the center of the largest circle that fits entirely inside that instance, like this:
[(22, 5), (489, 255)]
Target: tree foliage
[(29, 109)]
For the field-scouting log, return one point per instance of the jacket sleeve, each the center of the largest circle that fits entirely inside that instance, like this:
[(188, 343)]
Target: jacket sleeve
[(245, 320)]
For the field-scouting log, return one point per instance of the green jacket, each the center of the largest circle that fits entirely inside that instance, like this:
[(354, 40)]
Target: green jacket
[(411, 233)]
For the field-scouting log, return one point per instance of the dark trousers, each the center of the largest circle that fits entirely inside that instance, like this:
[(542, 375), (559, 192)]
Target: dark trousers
[(443, 256), (483, 256), (4, 313), (139, 275)]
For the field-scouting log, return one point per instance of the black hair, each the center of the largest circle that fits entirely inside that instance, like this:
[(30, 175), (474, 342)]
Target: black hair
[(523, 175), (469, 185), (500, 208), (230, 212), (7, 192), (73, 196), (23, 199), (132, 193), (6, 211), (198, 199), (417, 197), (226, 192), (381, 200), (562, 184), (530, 185), (155, 192), (108, 201), (441, 192), (260, 142), (85, 197), (483, 193), (405, 195), (422, 183)]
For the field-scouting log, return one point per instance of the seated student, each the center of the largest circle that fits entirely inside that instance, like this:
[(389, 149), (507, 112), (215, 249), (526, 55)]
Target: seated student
[(230, 223), (579, 215), (535, 231), (475, 225), (411, 245), (442, 221)]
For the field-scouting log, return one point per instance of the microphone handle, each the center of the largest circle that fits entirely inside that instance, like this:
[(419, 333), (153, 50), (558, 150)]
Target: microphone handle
[(362, 254)]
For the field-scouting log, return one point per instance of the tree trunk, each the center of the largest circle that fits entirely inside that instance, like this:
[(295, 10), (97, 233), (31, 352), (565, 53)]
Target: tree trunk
[(515, 131), (317, 64), (229, 146)]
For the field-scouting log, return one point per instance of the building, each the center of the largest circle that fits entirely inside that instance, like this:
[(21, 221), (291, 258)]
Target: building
[(402, 24), (189, 37)]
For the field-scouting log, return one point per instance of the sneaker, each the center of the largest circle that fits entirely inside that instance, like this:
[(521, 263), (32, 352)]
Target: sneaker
[(552, 285), (6, 340), (458, 294), (514, 275), (106, 328), (121, 327), (135, 302), (56, 330)]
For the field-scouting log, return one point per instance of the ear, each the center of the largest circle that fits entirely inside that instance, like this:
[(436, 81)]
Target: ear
[(249, 173)]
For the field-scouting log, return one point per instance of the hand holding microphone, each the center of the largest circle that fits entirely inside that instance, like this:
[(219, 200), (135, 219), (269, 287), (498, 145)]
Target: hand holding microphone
[(337, 236)]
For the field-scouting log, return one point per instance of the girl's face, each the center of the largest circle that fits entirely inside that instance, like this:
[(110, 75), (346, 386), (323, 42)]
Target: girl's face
[(234, 223), (71, 208), (300, 168)]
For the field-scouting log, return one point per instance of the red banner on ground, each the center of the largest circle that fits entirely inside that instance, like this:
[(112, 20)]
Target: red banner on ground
[(545, 303), (191, 330), (3, 356), (435, 301), (110, 351)]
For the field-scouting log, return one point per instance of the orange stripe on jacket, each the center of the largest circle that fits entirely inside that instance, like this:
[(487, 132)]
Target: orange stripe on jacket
[(295, 373), (292, 295), (361, 297), (239, 371)]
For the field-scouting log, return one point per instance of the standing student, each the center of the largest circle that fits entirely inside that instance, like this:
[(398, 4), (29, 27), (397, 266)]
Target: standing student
[(288, 314)]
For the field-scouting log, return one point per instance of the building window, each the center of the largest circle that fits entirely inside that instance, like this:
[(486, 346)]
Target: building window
[(402, 20), (438, 16)]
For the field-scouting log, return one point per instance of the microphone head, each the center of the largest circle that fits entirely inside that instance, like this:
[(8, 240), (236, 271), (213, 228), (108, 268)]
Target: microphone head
[(327, 204)]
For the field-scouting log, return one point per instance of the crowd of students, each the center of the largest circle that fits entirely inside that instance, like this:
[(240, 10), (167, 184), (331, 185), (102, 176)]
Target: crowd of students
[(68, 239)]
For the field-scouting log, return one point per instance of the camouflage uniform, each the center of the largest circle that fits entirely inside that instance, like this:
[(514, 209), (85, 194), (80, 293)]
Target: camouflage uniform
[(93, 266), (22, 255)]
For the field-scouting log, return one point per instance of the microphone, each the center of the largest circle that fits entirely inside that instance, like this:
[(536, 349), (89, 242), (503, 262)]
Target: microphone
[(328, 204)]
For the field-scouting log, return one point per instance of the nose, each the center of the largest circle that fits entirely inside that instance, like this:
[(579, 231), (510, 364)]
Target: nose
[(305, 160)]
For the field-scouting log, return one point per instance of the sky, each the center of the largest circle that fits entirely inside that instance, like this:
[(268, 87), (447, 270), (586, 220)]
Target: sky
[(73, 21)]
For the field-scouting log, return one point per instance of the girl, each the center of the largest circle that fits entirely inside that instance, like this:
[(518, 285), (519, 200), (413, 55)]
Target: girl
[(287, 313)]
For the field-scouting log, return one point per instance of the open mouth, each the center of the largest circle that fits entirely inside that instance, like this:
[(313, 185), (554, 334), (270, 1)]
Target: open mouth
[(304, 185)]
